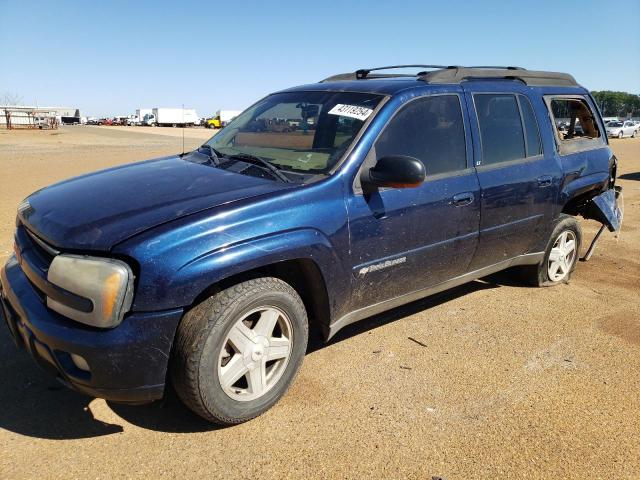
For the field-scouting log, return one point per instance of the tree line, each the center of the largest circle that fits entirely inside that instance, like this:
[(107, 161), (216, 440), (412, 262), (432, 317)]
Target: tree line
[(617, 104)]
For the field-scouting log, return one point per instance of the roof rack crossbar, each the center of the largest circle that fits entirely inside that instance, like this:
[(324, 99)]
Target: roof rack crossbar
[(364, 72)]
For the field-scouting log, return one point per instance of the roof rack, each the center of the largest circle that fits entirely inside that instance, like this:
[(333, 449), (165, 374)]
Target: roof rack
[(455, 74), (363, 73)]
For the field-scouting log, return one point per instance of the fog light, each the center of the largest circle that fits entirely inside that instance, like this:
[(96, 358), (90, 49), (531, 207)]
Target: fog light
[(80, 362)]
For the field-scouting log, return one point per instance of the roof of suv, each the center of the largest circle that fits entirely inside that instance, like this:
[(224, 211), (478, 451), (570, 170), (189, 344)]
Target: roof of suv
[(364, 80)]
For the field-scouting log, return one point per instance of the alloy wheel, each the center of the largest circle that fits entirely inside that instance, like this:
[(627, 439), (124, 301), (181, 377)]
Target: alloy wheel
[(255, 353), (562, 256)]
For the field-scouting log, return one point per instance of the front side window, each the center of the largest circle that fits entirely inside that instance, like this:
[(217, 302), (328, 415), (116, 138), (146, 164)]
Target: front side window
[(299, 133), (430, 129)]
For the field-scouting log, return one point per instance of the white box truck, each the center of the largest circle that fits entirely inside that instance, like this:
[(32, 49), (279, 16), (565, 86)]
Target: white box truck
[(140, 113), (172, 117)]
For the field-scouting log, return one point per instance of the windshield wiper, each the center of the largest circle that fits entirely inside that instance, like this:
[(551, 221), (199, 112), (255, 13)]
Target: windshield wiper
[(245, 157), (213, 154)]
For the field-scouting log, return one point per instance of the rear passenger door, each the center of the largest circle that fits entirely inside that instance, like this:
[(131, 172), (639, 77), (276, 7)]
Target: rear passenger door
[(519, 180)]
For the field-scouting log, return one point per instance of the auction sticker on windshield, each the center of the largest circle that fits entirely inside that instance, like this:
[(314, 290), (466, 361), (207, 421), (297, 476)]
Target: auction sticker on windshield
[(353, 111)]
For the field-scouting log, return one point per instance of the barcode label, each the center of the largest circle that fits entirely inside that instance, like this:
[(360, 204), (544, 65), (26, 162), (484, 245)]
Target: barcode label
[(353, 111)]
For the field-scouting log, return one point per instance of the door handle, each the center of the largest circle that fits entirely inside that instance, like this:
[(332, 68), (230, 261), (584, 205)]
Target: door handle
[(545, 181), (462, 199)]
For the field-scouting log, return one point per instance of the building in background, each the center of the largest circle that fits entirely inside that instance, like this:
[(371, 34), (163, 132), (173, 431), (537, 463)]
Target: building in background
[(31, 116)]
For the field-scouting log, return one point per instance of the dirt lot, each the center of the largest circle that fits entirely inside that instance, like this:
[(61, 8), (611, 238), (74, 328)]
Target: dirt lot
[(514, 382)]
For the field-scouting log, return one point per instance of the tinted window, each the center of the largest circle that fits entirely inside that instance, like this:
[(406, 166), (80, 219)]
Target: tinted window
[(500, 128), (430, 129), (530, 128)]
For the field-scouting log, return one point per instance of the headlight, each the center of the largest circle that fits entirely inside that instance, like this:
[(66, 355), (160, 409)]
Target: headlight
[(107, 283)]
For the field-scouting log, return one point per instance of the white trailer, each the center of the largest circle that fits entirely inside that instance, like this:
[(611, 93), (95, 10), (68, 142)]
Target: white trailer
[(225, 116), (172, 117)]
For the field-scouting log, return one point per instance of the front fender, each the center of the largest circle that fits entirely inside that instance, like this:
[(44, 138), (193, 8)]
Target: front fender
[(172, 286)]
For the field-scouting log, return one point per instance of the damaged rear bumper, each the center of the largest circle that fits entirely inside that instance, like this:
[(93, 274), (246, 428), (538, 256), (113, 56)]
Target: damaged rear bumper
[(604, 209)]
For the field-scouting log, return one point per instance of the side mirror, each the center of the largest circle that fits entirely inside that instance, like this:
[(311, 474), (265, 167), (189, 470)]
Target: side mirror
[(394, 171)]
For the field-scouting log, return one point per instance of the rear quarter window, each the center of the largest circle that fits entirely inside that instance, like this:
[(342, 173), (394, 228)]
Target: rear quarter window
[(575, 125)]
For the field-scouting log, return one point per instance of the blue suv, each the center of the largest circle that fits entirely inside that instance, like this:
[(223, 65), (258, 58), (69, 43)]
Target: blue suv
[(319, 205)]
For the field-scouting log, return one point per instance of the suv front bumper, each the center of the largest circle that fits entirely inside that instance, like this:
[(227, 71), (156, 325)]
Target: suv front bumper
[(126, 364)]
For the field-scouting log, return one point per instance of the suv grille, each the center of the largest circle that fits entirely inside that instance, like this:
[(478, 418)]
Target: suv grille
[(36, 257)]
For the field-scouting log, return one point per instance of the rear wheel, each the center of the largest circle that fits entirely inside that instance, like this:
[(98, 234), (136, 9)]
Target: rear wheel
[(561, 255), (238, 351)]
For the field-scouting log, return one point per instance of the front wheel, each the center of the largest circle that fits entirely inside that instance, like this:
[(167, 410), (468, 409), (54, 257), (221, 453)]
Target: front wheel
[(237, 352), (620, 135), (560, 257)]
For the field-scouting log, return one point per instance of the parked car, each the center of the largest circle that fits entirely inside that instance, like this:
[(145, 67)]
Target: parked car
[(622, 129), (212, 275)]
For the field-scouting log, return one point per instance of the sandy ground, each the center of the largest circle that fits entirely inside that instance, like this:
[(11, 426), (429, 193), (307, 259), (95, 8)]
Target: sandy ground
[(514, 382)]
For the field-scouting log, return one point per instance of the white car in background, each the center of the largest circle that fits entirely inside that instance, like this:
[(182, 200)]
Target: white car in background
[(621, 129)]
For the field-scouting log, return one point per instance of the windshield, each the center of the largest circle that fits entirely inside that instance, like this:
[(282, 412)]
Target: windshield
[(615, 124), (298, 132)]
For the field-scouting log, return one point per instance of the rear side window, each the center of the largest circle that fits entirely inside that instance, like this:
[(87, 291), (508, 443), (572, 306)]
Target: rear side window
[(500, 128), (532, 133), (575, 123), (430, 129), (508, 127)]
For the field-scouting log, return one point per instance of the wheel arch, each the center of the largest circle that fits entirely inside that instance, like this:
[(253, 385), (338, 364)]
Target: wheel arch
[(575, 195), (303, 274)]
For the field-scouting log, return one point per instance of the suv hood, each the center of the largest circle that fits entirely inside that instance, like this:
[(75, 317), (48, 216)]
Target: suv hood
[(99, 210)]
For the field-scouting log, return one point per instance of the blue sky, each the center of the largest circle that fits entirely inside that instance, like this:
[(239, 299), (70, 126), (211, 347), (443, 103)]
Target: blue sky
[(112, 57)]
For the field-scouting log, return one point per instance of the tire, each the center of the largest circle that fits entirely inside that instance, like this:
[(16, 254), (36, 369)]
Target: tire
[(620, 135), (540, 275), (207, 343), (633, 135)]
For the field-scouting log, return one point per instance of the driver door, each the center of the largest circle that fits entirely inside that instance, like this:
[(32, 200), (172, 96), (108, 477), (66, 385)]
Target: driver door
[(408, 239)]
